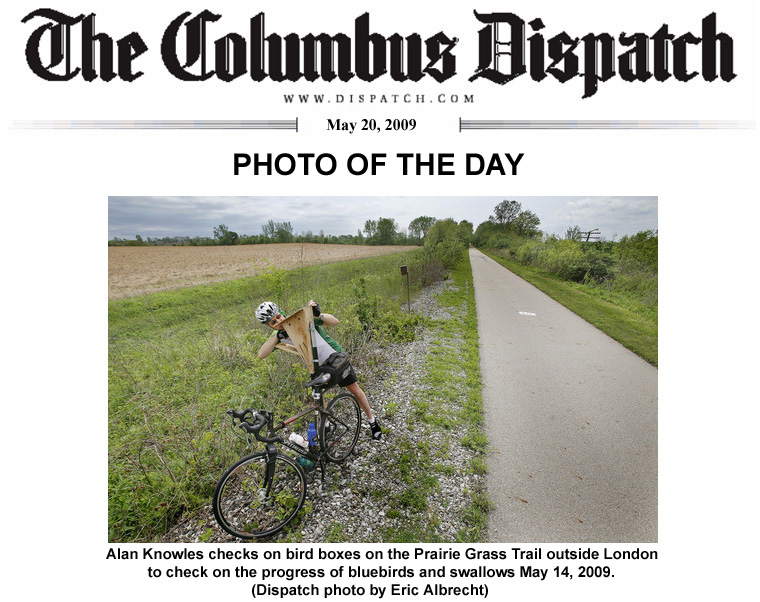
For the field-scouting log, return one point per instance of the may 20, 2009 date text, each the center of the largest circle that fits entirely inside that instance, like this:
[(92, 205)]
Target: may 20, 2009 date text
[(372, 125)]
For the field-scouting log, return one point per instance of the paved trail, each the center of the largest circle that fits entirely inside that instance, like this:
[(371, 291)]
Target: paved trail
[(571, 416)]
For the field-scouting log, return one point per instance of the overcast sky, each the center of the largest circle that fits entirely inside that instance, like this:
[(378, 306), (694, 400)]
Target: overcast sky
[(196, 216)]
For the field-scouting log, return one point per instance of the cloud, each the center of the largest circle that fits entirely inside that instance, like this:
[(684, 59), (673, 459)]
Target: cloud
[(611, 215), (197, 216)]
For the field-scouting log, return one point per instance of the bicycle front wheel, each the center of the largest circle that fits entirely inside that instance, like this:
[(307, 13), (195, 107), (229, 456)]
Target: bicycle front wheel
[(339, 429), (257, 497)]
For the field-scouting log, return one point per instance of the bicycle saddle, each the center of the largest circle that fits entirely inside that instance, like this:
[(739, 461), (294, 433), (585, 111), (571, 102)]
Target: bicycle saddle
[(319, 380)]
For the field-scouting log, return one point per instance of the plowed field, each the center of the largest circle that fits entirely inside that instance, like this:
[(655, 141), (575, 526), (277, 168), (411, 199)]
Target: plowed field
[(139, 270)]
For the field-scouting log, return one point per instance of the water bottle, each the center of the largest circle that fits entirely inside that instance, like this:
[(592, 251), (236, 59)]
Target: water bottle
[(297, 439), (312, 434), (306, 463)]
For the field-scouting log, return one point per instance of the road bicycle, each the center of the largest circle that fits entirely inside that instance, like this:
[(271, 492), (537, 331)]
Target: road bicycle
[(262, 492)]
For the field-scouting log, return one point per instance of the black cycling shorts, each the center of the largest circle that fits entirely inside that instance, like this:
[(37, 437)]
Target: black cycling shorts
[(350, 377)]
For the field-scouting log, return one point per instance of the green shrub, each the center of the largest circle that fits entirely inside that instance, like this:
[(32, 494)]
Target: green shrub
[(446, 241), (560, 257), (628, 267), (641, 247), (527, 252)]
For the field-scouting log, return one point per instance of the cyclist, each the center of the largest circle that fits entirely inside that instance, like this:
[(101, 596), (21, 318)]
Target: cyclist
[(268, 313)]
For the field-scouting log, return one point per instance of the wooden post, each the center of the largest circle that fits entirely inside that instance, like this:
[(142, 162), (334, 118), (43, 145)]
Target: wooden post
[(300, 326), (405, 272)]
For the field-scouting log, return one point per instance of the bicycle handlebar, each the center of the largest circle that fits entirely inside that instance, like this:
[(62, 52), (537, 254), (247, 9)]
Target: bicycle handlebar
[(259, 420), (241, 414)]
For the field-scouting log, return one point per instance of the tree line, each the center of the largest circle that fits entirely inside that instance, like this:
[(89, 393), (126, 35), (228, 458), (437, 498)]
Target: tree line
[(510, 228), (381, 231)]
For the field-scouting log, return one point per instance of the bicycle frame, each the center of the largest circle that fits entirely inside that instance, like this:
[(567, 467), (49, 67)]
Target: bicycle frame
[(318, 407)]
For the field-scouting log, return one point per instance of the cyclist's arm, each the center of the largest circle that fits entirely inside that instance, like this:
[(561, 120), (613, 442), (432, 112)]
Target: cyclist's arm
[(329, 319), (268, 346)]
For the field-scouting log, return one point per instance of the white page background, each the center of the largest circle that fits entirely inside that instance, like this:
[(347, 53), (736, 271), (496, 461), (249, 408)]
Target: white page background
[(56, 185)]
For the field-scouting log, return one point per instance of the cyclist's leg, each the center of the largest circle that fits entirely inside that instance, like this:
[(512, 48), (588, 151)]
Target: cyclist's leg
[(361, 397), (351, 384), (357, 392)]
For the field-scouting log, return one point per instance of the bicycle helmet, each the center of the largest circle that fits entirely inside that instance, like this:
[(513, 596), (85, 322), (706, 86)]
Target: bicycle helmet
[(266, 311)]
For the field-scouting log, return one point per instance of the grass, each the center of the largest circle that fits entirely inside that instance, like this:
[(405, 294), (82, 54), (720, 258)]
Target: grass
[(191, 308), (621, 317), (179, 359)]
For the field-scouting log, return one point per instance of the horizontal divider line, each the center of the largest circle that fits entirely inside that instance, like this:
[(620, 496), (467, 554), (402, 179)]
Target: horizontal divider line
[(267, 124), (600, 124)]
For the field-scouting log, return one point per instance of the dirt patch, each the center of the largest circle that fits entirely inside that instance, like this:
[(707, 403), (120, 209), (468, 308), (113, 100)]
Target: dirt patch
[(139, 270)]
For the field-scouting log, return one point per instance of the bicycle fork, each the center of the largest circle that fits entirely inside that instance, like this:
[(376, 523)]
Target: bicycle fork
[(271, 457), (318, 397)]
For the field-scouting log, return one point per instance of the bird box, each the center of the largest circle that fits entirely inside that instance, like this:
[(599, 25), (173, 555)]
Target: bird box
[(300, 327)]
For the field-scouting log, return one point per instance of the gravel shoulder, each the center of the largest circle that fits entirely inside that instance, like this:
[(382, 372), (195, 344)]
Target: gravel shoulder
[(371, 497)]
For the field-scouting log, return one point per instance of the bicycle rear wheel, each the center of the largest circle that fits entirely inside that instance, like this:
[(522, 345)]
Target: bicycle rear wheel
[(339, 430), (255, 498)]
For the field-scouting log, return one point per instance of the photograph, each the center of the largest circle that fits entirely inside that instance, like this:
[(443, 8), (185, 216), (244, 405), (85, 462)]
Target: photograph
[(360, 373)]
